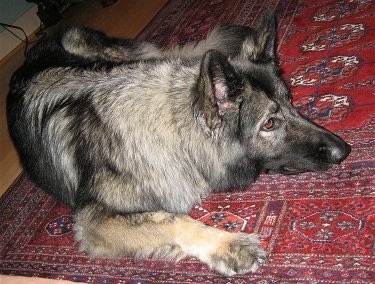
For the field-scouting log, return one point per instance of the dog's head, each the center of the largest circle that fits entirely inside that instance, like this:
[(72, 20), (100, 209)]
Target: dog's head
[(243, 99)]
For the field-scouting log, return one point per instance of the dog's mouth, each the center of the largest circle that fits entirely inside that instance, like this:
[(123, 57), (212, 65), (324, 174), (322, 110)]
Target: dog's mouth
[(285, 170), (290, 170)]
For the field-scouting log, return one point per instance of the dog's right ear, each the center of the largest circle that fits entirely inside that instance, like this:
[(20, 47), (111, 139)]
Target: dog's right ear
[(219, 89)]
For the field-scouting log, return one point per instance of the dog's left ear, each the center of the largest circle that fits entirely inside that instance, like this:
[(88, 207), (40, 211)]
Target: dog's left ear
[(219, 87), (260, 45)]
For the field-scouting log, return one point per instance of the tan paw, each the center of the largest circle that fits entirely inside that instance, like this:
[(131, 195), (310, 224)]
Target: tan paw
[(241, 255)]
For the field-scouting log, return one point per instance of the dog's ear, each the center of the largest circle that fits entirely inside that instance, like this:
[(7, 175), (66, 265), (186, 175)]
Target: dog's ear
[(260, 45), (219, 88)]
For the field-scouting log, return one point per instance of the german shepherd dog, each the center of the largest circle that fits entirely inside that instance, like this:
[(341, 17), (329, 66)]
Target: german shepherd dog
[(132, 136)]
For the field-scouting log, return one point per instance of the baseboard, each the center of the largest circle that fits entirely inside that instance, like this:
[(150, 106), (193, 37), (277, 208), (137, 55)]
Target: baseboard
[(29, 22)]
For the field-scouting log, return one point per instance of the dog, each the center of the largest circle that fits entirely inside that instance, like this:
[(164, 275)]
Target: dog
[(132, 136)]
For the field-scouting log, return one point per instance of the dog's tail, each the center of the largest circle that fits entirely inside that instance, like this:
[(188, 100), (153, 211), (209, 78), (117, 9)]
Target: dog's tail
[(95, 45)]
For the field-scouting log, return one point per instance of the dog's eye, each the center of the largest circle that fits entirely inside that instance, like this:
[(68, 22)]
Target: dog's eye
[(269, 124)]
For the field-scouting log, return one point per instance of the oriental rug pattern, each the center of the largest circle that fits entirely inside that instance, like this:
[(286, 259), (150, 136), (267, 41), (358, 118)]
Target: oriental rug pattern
[(316, 227)]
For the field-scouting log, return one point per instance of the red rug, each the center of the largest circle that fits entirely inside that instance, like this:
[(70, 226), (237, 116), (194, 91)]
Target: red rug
[(317, 227)]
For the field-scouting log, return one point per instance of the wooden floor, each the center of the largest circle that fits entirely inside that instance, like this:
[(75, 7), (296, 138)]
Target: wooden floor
[(125, 18)]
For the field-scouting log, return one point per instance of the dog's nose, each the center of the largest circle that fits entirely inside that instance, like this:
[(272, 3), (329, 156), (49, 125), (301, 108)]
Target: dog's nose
[(336, 151), (339, 154)]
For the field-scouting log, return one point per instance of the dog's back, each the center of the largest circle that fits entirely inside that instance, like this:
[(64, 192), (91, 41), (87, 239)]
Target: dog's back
[(70, 116)]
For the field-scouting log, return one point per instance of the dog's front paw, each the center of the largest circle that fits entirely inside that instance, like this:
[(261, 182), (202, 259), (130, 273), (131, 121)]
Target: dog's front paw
[(241, 255)]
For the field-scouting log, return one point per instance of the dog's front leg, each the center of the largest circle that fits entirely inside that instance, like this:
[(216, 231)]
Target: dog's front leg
[(163, 235)]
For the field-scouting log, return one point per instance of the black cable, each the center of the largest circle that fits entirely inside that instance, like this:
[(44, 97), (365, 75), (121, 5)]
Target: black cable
[(26, 40)]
